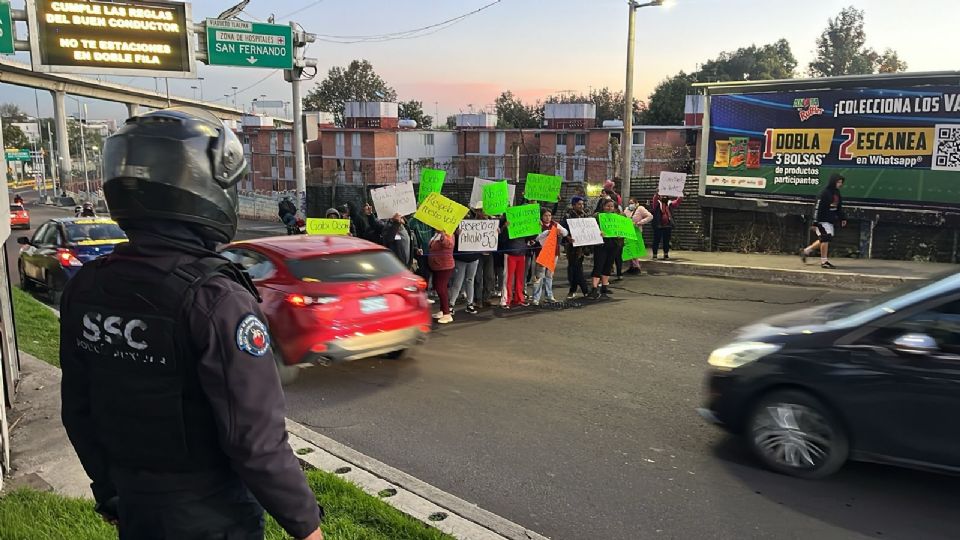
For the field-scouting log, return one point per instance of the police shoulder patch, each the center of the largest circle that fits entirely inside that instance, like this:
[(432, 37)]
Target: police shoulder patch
[(252, 336)]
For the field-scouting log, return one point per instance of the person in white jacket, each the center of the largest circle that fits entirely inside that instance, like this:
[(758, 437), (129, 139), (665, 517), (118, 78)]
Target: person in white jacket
[(542, 276), (640, 216)]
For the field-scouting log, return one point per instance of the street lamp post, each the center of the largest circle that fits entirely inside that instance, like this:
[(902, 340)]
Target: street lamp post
[(82, 112), (234, 96), (627, 142)]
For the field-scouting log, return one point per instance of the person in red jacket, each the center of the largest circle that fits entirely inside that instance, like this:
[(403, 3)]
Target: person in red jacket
[(662, 209), (441, 263)]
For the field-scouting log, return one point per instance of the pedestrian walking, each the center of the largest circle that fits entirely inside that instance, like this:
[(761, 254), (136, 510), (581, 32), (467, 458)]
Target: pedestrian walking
[(603, 256), (575, 254), (543, 276), (827, 215), (640, 217), (662, 208), (441, 266), (170, 391)]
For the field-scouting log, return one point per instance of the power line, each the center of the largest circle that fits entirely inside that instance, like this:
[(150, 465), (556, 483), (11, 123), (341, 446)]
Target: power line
[(406, 34), (304, 8)]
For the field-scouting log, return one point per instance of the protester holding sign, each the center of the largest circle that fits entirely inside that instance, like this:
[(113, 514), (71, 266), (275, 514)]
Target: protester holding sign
[(663, 208), (543, 276), (515, 248), (442, 265), (640, 217), (421, 235), (575, 254), (398, 239), (604, 255)]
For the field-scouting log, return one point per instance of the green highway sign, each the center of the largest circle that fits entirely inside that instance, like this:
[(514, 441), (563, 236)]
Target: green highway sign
[(246, 44), (6, 29), (14, 154)]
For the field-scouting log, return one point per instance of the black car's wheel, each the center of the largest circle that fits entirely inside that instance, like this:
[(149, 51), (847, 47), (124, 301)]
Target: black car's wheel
[(25, 282), (793, 433), (54, 293)]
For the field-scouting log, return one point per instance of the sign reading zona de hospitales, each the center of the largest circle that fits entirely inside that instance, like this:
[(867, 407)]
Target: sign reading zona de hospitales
[(246, 44)]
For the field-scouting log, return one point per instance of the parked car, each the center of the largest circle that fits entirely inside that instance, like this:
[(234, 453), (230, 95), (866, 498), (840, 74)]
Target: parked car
[(19, 217), (877, 380), (333, 299), (60, 247)]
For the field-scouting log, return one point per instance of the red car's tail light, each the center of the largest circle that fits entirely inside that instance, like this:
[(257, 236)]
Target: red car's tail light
[(301, 300), (67, 258), (420, 286)]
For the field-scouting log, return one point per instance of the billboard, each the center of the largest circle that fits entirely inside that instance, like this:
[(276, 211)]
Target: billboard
[(896, 146), (149, 38)]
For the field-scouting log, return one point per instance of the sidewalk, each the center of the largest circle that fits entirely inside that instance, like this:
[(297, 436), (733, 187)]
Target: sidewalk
[(851, 274)]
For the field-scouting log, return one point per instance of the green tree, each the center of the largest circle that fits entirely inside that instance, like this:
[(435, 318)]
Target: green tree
[(842, 50), (771, 61), (513, 113), (11, 112), (609, 103), (452, 122), (14, 137), (413, 110), (667, 100), (357, 82)]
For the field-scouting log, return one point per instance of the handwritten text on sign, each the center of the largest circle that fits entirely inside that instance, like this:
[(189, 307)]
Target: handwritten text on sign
[(617, 226), (542, 187), (396, 199), (523, 221), (476, 195), (585, 232), (441, 213), (671, 184), (328, 226), (478, 235), (431, 181)]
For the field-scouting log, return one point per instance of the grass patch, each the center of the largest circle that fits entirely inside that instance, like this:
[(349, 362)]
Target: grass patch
[(351, 515), (38, 329)]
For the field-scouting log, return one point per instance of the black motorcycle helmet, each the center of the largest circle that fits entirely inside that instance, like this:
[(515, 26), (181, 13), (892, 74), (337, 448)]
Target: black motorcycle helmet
[(179, 164)]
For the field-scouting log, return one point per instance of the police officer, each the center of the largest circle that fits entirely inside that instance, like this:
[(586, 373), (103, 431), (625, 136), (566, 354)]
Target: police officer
[(170, 392)]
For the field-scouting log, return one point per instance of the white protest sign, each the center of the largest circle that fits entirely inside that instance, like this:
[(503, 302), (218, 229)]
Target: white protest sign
[(476, 194), (396, 199), (585, 232), (478, 235), (671, 184)]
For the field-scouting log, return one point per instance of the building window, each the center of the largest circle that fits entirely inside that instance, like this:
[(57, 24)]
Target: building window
[(338, 139), (561, 139), (356, 165), (355, 139), (428, 139), (339, 164), (639, 138), (581, 139)]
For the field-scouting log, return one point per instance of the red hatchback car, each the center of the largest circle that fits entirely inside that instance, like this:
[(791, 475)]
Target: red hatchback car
[(333, 299), (19, 217)]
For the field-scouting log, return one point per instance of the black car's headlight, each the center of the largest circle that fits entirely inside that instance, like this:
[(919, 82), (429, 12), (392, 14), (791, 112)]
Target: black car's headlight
[(738, 354)]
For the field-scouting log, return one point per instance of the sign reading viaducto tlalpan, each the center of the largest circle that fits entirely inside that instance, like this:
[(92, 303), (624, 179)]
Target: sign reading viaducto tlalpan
[(112, 38), (246, 44)]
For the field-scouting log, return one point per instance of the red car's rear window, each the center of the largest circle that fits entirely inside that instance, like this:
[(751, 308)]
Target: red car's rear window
[(345, 268)]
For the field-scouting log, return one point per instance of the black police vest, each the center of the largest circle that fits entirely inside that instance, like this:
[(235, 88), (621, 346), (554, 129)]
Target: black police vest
[(128, 325)]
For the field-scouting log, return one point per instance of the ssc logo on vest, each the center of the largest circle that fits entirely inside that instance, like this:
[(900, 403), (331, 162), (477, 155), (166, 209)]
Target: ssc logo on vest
[(252, 336)]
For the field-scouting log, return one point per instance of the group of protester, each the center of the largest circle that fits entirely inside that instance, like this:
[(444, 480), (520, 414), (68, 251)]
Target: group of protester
[(509, 277)]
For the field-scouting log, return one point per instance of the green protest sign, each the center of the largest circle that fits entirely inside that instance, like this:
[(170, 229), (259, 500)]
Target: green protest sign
[(634, 249), (542, 187), (523, 221), (431, 181), (496, 198), (616, 225)]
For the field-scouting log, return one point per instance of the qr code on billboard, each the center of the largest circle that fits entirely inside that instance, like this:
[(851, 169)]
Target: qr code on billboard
[(946, 153)]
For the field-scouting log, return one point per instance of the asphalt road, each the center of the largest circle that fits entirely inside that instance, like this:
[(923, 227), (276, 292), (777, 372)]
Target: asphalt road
[(580, 424)]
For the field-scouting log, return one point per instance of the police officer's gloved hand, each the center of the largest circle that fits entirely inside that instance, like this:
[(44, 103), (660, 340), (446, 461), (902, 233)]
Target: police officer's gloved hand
[(109, 510)]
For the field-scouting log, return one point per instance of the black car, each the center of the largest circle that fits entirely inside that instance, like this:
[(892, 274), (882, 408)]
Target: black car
[(877, 380), (60, 247)]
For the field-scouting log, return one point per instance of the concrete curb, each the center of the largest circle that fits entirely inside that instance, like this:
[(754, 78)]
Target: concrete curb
[(414, 497), (836, 280)]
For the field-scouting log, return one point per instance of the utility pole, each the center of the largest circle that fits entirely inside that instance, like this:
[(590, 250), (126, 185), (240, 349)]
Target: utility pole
[(627, 143), (294, 77)]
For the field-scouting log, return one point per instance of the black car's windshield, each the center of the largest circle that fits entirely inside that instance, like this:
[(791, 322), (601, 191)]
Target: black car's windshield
[(93, 231), (347, 267), (856, 313)]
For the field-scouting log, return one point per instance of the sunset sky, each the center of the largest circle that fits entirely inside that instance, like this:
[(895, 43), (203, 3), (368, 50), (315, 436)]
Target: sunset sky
[(539, 47)]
